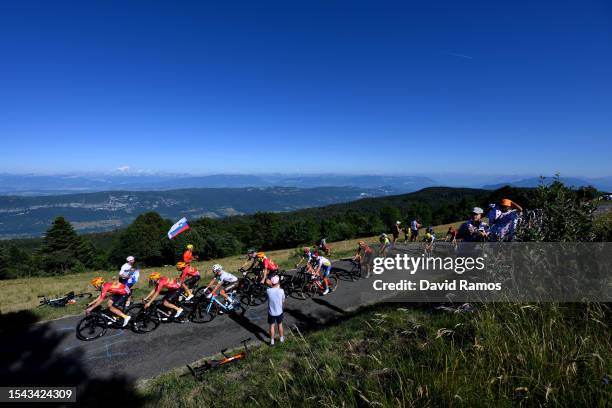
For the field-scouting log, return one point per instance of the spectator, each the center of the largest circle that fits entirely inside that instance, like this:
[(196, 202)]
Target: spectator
[(474, 229), (414, 229), (276, 298), (503, 219), (395, 231)]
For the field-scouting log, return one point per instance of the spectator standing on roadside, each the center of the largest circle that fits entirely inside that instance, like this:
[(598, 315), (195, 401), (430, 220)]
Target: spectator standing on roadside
[(474, 229), (503, 219), (414, 229), (395, 231), (276, 298), (128, 275)]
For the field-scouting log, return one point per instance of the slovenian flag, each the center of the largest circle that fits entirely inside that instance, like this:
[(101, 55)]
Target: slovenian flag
[(180, 226)]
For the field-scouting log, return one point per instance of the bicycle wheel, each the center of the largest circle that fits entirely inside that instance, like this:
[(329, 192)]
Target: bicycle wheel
[(309, 289), (203, 314), (143, 321), (332, 282), (91, 327)]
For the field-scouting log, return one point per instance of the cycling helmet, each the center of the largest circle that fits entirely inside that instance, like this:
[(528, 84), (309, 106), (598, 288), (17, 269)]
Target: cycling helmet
[(251, 251), (362, 243), (261, 255), (306, 250), (217, 268), (130, 258), (155, 276), (180, 265), (189, 246), (315, 255), (383, 235), (97, 281)]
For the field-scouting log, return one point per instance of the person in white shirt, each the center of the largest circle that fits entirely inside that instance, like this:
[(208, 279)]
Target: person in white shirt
[(128, 275), (276, 298)]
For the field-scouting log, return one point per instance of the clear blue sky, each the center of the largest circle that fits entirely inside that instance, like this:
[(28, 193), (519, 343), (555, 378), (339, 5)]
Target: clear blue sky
[(203, 87)]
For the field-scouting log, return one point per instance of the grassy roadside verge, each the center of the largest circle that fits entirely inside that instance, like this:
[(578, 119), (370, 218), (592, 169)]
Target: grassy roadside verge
[(405, 355)]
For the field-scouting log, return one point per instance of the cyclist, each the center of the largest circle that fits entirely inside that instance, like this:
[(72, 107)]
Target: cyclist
[(451, 235), (223, 280), (384, 245), (119, 291), (322, 246), (321, 266), (364, 256), (189, 277), (171, 286), (129, 275), (268, 267), (251, 261), (429, 239), (474, 229), (307, 256), (188, 255)]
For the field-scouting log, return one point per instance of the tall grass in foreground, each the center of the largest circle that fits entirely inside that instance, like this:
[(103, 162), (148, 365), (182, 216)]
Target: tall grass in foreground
[(500, 355)]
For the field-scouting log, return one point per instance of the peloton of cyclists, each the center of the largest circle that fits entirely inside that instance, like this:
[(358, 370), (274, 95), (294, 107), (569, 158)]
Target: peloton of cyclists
[(120, 293), (171, 287)]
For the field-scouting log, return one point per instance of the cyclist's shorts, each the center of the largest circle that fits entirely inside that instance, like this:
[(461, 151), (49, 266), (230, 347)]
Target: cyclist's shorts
[(275, 319), (119, 300), (192, 281), (325, 270), (230, 286), (414, 232), (171, 295)]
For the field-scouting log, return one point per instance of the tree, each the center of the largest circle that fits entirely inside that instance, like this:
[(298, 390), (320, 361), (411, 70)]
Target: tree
[(146, 240), (62, 248)]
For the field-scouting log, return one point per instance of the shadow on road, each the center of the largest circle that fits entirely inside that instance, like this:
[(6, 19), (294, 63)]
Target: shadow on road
[(30, 357), (304, 321), (329, 305), (243, 321)]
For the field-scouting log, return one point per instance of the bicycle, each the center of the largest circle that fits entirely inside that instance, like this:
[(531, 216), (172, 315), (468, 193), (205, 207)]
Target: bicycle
[(354, 272), (69, 299), (97, 323), (315, 285), (198, 372), (207, 309), (296, 281), (252, 291)]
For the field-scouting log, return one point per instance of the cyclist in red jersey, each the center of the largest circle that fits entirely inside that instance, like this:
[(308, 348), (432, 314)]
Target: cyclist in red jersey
[(120, 293), (189, 278), (171, 286), (268, 266)]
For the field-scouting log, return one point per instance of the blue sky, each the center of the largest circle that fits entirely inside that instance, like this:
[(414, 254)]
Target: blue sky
[(409, 87)]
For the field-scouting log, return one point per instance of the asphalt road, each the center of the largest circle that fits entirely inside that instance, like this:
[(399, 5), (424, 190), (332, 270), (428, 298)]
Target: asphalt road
[(122, 353)]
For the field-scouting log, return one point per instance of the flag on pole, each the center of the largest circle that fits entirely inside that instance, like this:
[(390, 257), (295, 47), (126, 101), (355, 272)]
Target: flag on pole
[(180, 226)]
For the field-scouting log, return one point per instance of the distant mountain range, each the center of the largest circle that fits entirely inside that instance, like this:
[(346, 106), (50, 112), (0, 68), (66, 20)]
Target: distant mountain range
[(22, 216), (602, 183), (32, 185)]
